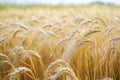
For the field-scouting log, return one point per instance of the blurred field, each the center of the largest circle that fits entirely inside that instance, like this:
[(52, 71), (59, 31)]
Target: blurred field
[(60, 43)]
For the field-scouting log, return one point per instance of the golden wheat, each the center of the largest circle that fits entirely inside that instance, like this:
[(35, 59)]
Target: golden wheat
[(64, 43)]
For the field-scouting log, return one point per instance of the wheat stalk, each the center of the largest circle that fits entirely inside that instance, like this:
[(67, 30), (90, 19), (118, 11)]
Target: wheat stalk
[(42, 31), (67, 38), (85, 22), (62, 70), (47, 26), (109, 30), (4, 56), (12, 75), (52, 33), (15, 33), (117, 38), (105, 79), (57, 68), (31, 52), (3, 39), (70, 49), (90, 32), (6, 62), (17, 52), (22, 26), (103, 22)]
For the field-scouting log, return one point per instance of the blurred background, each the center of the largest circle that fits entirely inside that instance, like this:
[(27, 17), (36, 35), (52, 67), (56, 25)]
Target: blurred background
[(58, 2)]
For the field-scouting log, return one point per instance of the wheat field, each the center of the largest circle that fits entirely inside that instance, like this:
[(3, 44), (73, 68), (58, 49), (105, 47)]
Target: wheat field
[(60, 43)]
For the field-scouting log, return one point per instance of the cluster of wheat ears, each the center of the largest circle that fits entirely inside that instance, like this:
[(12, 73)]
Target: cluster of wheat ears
[(60, 44)]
